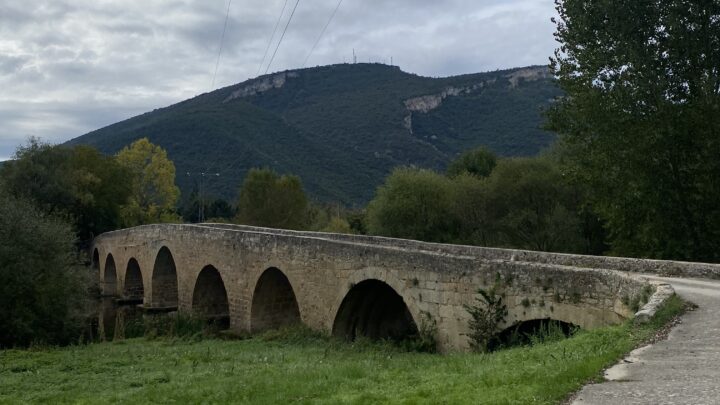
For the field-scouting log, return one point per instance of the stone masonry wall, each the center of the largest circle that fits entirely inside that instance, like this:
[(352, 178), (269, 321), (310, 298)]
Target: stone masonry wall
[(438, 280)]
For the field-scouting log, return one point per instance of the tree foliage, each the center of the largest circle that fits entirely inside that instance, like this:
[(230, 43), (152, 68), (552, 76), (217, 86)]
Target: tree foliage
[(478, 162), (42, 289), (486, 315), (524, 203), (415, 204), (154, 193), (532, 207), (269, 199), (79, 181), (639, 125), (214, 209)]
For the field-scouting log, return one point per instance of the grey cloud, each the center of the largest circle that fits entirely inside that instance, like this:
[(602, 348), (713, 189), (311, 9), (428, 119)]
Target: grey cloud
[(11, 64)]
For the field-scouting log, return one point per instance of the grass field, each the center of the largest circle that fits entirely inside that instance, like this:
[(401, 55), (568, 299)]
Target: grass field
[(299, 367)]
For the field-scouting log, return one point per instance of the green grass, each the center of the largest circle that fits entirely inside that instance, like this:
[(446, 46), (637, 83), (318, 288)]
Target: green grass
[(305, 368)]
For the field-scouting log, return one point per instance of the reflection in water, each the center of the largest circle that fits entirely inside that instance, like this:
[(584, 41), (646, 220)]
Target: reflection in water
[(118, 321)]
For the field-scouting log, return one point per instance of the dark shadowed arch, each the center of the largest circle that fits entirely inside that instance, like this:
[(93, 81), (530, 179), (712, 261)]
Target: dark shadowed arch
[(164, 280), (373, 309), (110, 277), (133, 289), (210, 298), (523, 333), (273, 304), (96, 260)]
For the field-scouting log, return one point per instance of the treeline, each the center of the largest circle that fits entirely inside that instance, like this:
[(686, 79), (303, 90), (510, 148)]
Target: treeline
[(96, 193), (523, 203), (53, 200)]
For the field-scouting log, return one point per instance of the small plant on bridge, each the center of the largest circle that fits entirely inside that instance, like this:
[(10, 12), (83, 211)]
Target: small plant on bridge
[(487, 313)]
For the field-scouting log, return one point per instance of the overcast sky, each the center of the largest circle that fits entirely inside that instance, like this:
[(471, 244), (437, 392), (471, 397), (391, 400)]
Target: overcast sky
[(71, 66)]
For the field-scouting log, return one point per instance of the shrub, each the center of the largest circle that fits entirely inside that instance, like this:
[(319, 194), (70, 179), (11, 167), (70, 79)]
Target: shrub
[(488, 312)]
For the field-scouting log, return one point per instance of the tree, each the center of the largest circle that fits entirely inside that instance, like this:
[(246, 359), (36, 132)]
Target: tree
[(478, 162), (218, 210), (472, 212), (639, 123), (42, 288), (270, 200), (415, 204), (531, 206), (154, 193), (80, 182)]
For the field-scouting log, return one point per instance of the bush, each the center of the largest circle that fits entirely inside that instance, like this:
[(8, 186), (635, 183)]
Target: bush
[(43, 289), (488, 312)]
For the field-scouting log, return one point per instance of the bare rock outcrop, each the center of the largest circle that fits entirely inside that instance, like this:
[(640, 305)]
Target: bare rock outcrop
[(262, 85)]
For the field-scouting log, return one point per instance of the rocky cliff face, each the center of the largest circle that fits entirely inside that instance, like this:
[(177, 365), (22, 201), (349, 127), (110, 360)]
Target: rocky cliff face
[(528, 74), (262, 85), (427, 103)]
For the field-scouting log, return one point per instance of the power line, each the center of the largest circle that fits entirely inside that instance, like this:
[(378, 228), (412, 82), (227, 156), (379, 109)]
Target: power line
[(277, 23), (282, 36), (322, 32), (222, 39)]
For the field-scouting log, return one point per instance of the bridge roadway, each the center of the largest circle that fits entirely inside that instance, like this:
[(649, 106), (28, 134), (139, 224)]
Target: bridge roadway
[(253, 279), (680, 370)]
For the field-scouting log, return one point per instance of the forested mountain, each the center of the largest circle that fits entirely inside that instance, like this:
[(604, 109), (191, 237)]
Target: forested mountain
[(341, 128)]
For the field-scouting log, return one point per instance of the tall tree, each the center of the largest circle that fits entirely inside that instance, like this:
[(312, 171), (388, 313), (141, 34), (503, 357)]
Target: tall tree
[(42, 287), (415, 204), (154, 193), (268, 199), (640, 122), (80, 182), (531, 206)]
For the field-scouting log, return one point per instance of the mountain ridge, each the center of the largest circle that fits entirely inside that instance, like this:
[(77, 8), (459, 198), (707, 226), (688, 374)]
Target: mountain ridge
[(341, 128)]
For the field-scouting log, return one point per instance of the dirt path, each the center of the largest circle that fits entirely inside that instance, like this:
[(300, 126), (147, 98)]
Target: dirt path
[(684, 369)]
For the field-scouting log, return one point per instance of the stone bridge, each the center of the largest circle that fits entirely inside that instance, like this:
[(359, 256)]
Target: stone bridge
[(254, 279)]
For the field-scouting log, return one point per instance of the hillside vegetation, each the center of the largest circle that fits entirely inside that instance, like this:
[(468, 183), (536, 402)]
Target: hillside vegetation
[(341, 128)]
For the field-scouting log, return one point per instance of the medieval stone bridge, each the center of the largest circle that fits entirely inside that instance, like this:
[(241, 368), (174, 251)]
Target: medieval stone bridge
[(257, 278)]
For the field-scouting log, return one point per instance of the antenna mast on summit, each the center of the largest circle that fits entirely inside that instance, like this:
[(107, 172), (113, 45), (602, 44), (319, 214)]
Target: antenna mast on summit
[(354, 56)]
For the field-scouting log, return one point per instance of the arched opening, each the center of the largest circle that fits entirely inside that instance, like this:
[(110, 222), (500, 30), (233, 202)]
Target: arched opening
[(133, 290), (164, 281), (273, 304), (531, 332), (373, 309), (96, 260), (210, 299), (109, 277)]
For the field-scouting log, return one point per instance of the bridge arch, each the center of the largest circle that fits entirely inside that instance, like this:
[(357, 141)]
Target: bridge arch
[(109, 287), (274, 304), (373, 309), (133, 287), (95, 264), (210, 299), (164, 284), (519, 333)]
